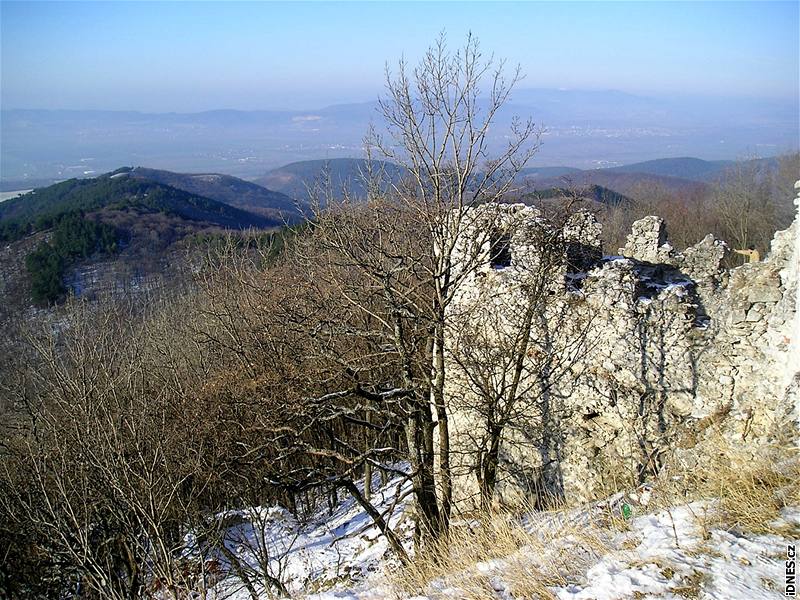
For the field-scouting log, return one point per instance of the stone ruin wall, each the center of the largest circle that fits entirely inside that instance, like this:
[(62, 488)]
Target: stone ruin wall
[(672, 347)]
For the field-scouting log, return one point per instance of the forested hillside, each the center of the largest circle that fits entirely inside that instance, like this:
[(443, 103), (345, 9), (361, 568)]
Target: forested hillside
[(228, 190), (40, 208), (96, 218)]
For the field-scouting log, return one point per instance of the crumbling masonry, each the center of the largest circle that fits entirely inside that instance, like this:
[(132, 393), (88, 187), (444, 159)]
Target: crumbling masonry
[(655, 350)]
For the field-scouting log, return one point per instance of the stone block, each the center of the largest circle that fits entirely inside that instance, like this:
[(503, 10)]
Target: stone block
[(764, 294), (756, 313), (737, 316)]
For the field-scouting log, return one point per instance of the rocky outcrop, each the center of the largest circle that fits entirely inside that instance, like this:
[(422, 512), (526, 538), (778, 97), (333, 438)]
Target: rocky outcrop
[(632, 361)]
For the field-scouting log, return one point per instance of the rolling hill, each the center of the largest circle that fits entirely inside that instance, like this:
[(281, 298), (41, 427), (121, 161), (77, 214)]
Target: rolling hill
[(296, 178), (293, 179), (112, 232), (681, 174), (226, 189), (118, 191), (596, 194), (683, 167), (686, 167), (622, 182)]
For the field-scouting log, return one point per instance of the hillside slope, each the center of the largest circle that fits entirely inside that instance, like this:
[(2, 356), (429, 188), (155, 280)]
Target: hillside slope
[(583, 553), (226, 189), (105, 234), (120, 192), (296, 178)]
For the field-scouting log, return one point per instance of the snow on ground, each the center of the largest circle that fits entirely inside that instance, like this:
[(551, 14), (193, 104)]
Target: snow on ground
[(327, 550), (10, 195), (676, 557), (668, 554)]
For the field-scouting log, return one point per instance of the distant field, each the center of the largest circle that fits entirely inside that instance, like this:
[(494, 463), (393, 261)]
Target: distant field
[(9, 195)]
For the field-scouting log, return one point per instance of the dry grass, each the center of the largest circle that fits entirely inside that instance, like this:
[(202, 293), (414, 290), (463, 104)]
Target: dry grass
[(527, 559), (748, 490), (743, 491), (692, 585)]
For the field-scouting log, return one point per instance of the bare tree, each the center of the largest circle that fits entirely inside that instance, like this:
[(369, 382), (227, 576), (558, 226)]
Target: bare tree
[(354, 319), (439, 117), (743, 206), (106, 476), (310, 370)]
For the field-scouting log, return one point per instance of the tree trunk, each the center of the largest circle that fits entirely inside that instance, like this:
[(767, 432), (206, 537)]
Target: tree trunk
[(487, 479), (368, 465), (380, 522), (367, 482), (445, 474), (421, 458)]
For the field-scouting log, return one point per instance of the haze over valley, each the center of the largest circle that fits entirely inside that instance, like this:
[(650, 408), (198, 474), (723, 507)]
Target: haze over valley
[(583, 129)]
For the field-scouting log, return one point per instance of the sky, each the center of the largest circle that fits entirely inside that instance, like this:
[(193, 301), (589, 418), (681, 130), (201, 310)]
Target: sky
[(188, 56)]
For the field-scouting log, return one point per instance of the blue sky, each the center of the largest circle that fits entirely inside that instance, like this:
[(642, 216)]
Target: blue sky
[(188, 56)]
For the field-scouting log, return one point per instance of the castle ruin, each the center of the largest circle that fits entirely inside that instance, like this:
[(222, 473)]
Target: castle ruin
[(629, 360)]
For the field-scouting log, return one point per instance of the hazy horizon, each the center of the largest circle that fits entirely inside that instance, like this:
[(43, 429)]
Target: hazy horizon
[(334, 101), (193, 57), (612, 83)]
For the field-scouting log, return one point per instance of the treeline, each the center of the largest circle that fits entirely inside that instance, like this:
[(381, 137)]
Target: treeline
[(74, 237), (16, 229), (42, 208), (744, 207), (271, 244), (598, 193)]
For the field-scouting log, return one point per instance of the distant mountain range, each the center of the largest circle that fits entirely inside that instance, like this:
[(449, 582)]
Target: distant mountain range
[(676, 174), (581, 129)]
